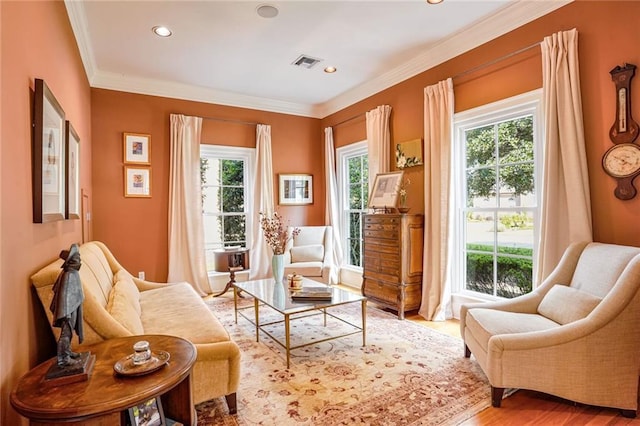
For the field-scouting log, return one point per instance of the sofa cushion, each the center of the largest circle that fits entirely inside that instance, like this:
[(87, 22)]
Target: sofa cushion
[(185, 316), (485, 323), (124, 306), (310, 253), (125, 285), (564, 304)]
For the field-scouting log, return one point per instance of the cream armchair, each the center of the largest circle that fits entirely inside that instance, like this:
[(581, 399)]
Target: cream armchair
[(577, 336), (310, 252)]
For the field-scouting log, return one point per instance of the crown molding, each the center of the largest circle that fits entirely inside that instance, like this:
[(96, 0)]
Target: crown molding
[(507, 19), (168, 89), (476, 34), (79, 25)]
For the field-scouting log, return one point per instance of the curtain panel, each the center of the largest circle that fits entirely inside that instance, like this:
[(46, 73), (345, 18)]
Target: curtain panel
[(332, 204), (379, 141), (566, 202), (263, 197), (438, 122), (187, 260)]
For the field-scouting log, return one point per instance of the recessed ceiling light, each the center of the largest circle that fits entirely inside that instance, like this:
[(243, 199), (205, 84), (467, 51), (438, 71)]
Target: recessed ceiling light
[(330, 70), (434, 1), (267, 11), (161, 31)]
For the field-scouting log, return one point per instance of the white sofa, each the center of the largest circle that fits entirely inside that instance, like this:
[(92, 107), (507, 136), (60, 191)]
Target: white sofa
[(117, 304)]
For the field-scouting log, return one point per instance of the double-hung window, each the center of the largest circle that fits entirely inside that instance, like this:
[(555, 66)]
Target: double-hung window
[(497, 159), (225, 176), (353, 180)]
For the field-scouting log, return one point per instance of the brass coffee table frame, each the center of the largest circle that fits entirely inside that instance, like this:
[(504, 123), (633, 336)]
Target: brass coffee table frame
[(278, 297)]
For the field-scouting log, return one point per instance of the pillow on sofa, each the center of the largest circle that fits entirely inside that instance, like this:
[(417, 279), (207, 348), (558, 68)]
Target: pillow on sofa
[(310, 253), (564, 304), (125, 285), (124, 306)]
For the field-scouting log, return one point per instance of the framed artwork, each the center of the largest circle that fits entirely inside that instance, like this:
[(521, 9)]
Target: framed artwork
[(137, 148), (409, 154), (384, 192), (295, 189), (149, 413), (48, 156), (73, 204), (137, 181)]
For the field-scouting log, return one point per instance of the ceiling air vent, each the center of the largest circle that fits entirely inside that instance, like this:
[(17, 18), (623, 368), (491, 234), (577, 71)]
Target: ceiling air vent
[(305, 61)]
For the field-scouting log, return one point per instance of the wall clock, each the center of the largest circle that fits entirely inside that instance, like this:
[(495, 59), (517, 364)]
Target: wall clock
[(622, 161)]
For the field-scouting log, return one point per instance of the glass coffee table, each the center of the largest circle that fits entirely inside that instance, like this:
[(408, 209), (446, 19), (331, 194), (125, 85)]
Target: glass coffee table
[(277, 296)]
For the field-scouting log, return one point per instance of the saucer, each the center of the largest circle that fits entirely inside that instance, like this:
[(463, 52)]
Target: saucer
[(126, 367)]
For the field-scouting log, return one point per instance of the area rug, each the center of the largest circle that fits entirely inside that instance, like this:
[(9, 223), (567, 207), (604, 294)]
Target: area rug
[(407, 374)]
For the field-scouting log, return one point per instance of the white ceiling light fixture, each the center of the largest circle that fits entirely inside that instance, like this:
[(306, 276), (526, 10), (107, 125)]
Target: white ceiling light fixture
[(330, 70), (434, 1), (161, 31), (267, 11)]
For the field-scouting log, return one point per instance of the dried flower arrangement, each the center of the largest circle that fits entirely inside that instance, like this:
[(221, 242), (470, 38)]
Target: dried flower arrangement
[(275, 232)]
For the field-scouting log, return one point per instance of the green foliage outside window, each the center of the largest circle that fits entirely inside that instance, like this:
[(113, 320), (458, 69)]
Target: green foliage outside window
[(358, 168), (514, 274)]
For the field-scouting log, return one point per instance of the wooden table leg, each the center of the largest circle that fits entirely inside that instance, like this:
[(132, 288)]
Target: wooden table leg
[(257, 315)]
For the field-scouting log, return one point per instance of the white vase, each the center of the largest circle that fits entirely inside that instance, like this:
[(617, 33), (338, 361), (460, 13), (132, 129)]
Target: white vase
[(277, 266)]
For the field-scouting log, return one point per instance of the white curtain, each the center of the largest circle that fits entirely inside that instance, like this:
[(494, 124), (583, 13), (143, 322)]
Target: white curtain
[(262, 202), (186, 235), (378, 141), (332, 204), (438, 121), (566, 203)]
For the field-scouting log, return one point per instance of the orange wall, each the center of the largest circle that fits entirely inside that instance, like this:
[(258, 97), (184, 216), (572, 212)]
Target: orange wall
[(135, 229), (608, 36), (37, 42)]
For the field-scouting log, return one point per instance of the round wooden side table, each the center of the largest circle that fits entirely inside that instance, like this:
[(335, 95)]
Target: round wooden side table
[(105, 397)]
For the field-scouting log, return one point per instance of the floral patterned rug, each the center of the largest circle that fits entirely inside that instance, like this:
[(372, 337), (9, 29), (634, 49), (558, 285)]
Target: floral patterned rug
[(407, 374)]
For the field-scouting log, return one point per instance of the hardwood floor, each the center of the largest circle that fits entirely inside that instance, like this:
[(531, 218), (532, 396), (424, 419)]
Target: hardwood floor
[(532, 408)]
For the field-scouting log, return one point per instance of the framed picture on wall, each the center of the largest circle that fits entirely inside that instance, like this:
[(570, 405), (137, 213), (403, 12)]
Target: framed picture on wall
[(137, 148), (295, 189), (384, 192), (48, 156), (137, 181), (73, 205)]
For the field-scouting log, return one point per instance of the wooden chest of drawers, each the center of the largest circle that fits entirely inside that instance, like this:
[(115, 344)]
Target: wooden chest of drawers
[(392, 267)]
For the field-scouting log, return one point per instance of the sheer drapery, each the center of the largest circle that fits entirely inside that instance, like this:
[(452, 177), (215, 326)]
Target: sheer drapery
[(378, 141), (438, 121), (566, 202), (262, 202), (332, 205), (186, 231)]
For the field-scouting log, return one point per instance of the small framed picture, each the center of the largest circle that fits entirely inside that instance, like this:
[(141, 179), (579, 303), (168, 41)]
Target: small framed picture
[(385, 190), (149, 413), (409, 154), (73, 173), (137, 148), (137, 181), (296, 189)]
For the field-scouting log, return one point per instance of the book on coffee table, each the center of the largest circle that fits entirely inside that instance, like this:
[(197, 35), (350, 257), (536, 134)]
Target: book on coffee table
[(312, 293)]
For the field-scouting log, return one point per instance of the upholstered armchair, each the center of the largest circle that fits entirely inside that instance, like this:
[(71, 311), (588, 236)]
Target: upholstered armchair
[(310, 253), (577, 336)]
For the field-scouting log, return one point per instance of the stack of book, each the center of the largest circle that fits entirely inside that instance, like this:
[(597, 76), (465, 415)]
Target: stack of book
[(312, 293)]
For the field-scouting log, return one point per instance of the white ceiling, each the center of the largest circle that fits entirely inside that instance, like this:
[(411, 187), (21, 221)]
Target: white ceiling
[(222, 52)]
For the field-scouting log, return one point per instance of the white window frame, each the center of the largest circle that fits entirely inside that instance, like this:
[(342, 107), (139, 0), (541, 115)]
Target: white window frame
[(343, 154), (503, 110), (236, 153)]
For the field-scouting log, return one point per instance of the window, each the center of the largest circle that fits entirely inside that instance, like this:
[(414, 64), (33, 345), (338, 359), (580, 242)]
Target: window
[(497, 160), (353, 179), (225, 178)]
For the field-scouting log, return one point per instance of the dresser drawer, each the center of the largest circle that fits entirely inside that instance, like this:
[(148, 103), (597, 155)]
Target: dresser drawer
[(378, 290)]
